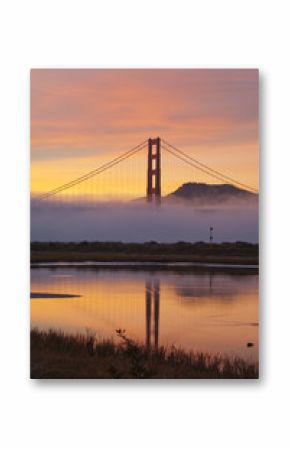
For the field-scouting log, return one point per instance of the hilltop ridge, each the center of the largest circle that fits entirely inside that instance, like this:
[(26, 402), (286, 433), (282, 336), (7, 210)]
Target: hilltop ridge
[(202, 193)]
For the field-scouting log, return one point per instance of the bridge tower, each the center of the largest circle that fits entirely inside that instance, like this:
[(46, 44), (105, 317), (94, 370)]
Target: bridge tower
[(154, 171)]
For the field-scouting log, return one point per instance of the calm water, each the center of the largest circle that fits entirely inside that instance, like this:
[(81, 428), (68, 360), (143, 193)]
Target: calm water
[(202, 311)]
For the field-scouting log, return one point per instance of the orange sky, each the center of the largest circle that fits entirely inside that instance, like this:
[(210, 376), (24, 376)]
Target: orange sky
[(83, 118)]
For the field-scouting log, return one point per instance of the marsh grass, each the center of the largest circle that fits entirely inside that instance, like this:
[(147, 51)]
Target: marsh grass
[(55, 355)]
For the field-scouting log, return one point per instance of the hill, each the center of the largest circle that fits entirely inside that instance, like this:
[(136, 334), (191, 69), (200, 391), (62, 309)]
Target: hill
[(201, 193)]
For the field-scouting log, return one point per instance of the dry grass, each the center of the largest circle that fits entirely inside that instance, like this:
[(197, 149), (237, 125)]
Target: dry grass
[(55, 355)]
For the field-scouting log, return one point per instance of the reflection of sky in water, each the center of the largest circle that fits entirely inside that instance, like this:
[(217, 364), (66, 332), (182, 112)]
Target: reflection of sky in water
[(207, 311)]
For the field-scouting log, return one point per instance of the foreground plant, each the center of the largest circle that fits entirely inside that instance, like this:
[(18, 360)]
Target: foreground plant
[(56, 355)]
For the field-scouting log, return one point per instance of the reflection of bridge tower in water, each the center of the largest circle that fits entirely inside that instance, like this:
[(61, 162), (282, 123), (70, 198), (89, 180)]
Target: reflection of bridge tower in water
[(152, 308), (210, 281)]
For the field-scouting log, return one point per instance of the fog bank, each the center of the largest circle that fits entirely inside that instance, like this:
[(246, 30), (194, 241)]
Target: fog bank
[(134, 222)]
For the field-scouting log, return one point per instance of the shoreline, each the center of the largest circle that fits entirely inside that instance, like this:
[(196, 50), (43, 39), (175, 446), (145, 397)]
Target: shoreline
[(135, 266), (149, 253), (133, 259)]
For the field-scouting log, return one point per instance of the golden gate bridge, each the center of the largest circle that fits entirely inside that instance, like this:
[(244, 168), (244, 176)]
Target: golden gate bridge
[(84, 187)]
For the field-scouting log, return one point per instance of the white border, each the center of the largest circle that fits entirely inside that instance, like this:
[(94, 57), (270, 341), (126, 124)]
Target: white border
[(144, 34)]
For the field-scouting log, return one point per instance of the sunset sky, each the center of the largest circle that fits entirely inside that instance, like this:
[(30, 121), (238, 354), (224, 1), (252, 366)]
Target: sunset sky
[(83, 118)]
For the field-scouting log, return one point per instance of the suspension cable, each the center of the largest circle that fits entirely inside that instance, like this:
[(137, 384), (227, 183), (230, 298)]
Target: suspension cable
[(208, 172), (206, 169), (94, 172)]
